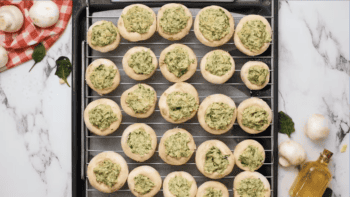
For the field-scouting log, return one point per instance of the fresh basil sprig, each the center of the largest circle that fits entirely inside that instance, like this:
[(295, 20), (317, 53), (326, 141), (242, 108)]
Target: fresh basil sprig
[(64, 68), (285, 124), (38, 54)]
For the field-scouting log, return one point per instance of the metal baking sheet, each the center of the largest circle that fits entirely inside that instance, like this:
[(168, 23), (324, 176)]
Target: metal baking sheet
[(91, 145)]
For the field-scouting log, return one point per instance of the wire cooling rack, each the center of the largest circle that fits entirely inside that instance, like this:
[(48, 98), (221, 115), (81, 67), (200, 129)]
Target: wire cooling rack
[(91, 145)]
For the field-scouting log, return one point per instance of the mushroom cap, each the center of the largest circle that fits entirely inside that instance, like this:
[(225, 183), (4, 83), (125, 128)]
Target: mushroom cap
[(3, 57), (11, 18), (44, 13), (317, 127), (291, 153)]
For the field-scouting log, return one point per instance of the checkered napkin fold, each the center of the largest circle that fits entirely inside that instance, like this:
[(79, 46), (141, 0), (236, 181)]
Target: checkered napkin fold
[(20, 44)]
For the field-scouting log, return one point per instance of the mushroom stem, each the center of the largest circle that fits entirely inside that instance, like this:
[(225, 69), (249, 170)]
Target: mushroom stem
[(284, 162)]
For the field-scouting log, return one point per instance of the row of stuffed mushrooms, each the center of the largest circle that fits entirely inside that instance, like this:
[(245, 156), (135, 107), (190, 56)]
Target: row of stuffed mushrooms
[(178, 63), (179, 103), (108, 171), (213, 27)]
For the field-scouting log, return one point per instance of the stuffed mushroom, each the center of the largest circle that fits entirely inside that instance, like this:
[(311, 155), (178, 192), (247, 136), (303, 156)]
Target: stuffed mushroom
[(214, 26), (177, 63), (217, 114), (103, 36), (174, 21), (254, 115), (103, 76), (255, 75), (179, 103), (176, 146), (144, 181), (214, 159), (137, 22), (102, 116), (179, 183), (140, 63), (217, 66), (139, 142), (253, 35), (139, 101), (107, 172)]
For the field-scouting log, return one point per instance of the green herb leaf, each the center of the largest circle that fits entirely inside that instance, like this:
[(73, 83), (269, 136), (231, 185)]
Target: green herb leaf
[(285, 124), (64, 68), (38, 54)]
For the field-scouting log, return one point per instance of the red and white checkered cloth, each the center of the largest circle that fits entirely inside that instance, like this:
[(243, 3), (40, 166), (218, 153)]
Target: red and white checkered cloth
[(20, 44)]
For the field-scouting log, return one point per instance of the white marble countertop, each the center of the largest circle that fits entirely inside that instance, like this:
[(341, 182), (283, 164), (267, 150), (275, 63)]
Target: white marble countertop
[(314, 70)]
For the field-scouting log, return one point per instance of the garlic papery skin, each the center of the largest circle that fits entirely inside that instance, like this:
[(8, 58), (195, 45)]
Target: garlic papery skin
[(291, 153), (11, 18), (3, 57), (44, 13), (317, 127)]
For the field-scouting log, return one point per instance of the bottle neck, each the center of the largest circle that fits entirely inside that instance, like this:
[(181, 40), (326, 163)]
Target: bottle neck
[(323, 160), (325, 157)]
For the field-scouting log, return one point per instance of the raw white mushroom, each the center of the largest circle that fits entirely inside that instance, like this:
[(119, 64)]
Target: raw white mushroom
[(317, 127), (3, 57), (44, 13), (291, 153), (11, 18)]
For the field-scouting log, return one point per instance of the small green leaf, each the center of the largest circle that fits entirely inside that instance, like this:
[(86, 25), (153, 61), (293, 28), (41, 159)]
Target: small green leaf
[(285, 124), (38, 54), (64, 68)]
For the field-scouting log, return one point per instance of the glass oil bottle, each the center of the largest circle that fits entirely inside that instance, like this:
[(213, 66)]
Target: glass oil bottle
[(313, 178)]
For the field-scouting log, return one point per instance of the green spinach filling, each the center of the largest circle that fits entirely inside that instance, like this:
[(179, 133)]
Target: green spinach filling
[(176, 145), (218, 63), (141, 62), (253, 35), (107, 172), (179, 186), (138, 19), (102, 116), (255, 117), (181, 105), (174, 20), (143, 184), (257, 75), (214, 24), (219, 115), (211, 192), (215, 161), (141, 99), (102, 76), (103, 34), (139, 142), (251, 187), (251, 157), (178, 61)]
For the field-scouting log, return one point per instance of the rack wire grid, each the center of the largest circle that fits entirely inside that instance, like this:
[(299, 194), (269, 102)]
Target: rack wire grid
[(93, 144)]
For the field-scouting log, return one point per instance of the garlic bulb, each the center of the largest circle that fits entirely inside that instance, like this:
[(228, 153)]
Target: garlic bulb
[(291, 153), (3, 57), (317, 127), (44, 13), (11, 18)]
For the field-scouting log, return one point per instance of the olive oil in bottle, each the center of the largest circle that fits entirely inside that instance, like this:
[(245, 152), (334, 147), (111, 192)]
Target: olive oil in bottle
[(313, 178)]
